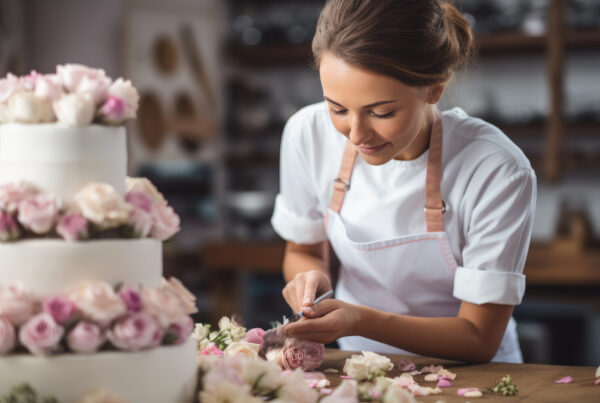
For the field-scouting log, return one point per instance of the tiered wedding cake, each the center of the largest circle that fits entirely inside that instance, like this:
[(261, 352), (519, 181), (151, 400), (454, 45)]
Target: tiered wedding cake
[(84, 309)]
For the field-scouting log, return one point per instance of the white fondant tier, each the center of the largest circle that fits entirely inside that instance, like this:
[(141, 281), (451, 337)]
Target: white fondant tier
[(62, 160), (162, 375), (49, 266)]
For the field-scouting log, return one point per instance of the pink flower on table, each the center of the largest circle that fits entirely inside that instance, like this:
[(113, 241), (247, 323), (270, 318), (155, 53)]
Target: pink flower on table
[(181, 331), (96, 301), (135, 332), (406, 365), (86, 337), (165, 306), (128, 95), (166, 222), (9, 85), (73, 227), (303, 354), (7, 336), (49, 87), (566, 379), (16, 304), (9, 230), (101, 204), (60, 308), (464, 391), (132, 298), (38, 214), (141, 215), (176, 287), (13, 193), (41, 334), (444, 383), (255, 335), (144, 185), (211, 349)]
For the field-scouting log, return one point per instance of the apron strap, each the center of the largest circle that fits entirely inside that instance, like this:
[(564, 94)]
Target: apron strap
[(434, 205), (342, 183)]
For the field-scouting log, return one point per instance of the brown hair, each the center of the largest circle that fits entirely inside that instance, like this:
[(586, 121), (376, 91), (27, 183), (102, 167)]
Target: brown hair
[(418, 42)]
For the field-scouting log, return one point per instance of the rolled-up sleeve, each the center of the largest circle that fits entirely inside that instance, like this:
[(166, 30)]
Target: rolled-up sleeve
[(297, 216), (497, 242)]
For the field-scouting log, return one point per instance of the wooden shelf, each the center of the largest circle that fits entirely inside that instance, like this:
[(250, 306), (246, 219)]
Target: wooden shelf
[(548, 267)]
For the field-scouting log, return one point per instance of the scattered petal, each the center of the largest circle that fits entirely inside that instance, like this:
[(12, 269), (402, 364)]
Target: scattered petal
[(406, 365), (473, 393), (434, 369), (463, 391), (331, 371), (431, 377), (323, 383), (444, 373), (377, 395), (415, 372), (597, 382), (326, 391), (444, 383), (566, 379), (345, 377)]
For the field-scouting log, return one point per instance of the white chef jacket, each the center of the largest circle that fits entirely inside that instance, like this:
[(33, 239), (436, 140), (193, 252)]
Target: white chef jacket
[(487, 183)]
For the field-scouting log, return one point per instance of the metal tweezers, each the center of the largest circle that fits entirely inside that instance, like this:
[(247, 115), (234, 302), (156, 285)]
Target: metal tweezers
[(295, 317)]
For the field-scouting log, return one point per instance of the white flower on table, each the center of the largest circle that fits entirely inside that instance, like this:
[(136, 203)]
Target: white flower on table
[(243, 348)]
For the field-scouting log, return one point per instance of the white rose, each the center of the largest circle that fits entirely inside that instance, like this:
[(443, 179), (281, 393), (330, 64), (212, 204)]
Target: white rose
[(123, 90), (9, 85), (102, 205), (94, 86), (275, 355), (376, 362), (145, 186), (49, 87), (225, 323), (74, 110), (25, 107), (72, 74), (269, 374), (356, 367), (397, 395), (97, 302), (187, 298), (164, 306), (243, 348), (200, 331)]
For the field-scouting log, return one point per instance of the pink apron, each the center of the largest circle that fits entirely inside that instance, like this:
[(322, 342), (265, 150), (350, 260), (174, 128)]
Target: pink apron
[(409, 275)]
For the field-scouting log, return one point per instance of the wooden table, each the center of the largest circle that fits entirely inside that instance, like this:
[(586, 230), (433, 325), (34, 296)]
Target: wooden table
[(535, 382)]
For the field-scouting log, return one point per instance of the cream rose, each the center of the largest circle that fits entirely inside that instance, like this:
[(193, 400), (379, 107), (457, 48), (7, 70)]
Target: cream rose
[(7, 336), (243, 348), (176, 287), (94, 86), (376, 362), (97, 302), (356, 368), (49, 87), (166, 307), (9, 85), (127, 93), (74, 110), (13, 193), (25, 107), (16, 304), (72, 74), (39, 214), (145, 186), (100, 204), (264, 374)]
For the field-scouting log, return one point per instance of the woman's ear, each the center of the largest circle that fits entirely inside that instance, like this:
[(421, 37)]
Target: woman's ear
[(434, 93)]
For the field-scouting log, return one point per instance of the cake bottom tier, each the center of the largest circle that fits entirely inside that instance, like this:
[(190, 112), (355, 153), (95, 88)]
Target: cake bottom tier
[(161, 375)]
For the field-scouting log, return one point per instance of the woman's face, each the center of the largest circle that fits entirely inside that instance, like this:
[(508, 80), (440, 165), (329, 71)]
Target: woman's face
[(384, 118)]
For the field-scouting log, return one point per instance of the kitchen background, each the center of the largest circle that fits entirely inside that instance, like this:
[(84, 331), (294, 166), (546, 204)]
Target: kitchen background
[(219, 78)]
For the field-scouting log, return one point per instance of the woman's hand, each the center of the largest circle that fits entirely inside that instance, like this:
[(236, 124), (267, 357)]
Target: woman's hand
[(326, 321), (304, 288)]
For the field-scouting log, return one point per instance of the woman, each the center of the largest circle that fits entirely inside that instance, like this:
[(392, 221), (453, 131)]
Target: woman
[(357, 171)]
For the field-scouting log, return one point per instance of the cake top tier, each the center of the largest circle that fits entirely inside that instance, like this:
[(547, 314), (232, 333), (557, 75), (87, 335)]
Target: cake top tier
[(75, 96)]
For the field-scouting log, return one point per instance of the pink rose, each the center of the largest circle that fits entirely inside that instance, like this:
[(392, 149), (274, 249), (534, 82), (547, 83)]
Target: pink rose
[(144, 185), (176, 287), (306, 355), (73, 227), (49, 87), (255, 335), (113, 110), (131, 298), (12, 194), (126, 93), (166, 222), (165, 306), (86, 338), (41, 334), (181, 331), (97, 302), (9, 230), (7, 336), (140, 218), (137, 331), (16, 304), (39, 214), (211, 349), (9, 85), (60, 308)]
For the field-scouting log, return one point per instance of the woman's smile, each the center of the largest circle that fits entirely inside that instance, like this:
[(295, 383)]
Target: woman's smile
[(371, 149)]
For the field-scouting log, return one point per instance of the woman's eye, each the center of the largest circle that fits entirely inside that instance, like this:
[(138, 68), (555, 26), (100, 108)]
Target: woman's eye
[(339, 112), (385, 115)]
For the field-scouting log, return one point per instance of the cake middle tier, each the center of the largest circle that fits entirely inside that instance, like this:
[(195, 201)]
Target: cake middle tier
[(62, 160), (48, 267)]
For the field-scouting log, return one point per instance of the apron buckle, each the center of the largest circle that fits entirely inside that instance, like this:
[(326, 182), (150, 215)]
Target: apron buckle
[(345, 183), (443, 207)]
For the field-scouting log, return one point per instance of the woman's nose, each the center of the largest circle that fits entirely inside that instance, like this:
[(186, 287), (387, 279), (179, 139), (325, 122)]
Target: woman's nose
[(359, 131)]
